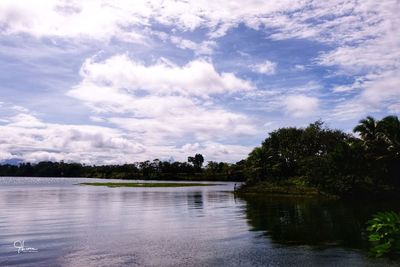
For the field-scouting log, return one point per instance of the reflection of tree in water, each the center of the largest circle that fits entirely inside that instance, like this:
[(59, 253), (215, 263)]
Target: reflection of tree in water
[(195, 200), (310, 221)]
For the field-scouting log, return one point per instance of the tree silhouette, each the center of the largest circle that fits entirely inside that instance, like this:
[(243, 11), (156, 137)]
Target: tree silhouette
[(197, 161), (367, 128), (389, 130)]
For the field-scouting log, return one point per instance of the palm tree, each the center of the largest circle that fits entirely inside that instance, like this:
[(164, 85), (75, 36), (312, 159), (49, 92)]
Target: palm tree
[(367, 128), (389, 130), (382, 147)]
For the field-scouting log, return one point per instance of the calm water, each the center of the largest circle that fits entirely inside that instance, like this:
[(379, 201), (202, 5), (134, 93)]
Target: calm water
[(74, 225)]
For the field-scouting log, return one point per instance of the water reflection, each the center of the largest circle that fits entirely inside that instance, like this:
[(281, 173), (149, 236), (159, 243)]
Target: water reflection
[(300, 221), (195, 200)]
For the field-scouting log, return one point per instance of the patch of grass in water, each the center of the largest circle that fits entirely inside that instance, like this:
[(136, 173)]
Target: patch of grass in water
[(147, 184)]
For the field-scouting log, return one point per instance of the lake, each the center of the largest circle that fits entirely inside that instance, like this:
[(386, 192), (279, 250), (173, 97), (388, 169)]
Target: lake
[(75, 225)]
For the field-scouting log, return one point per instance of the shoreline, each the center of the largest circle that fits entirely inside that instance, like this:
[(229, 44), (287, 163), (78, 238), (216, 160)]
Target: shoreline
[(113, 185), (274, 189), (302, 191)]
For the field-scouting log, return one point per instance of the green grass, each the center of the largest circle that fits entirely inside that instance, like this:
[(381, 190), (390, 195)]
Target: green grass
[(147, 184)]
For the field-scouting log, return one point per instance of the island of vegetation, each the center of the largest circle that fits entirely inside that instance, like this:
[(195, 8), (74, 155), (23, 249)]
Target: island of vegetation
[(311, 161), (317, 160)]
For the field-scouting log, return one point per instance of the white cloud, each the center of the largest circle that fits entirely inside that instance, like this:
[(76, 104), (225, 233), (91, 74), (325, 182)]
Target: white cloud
[(374, 89), (72, 19), (336, 20), (369, 50), (197, 78), (5, 156), (27, 137), (190, 148), (348, 110), (347, 88), (301, 105), (103, 145), (121, 18), (23, 120), (203, 48), (267, 67), (299, 67), (198, 122), (163, 104), (283, 98), (381, 87), (214, 150)]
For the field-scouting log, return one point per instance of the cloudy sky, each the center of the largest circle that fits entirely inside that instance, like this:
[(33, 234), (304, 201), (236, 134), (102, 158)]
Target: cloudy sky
[(115, 81)]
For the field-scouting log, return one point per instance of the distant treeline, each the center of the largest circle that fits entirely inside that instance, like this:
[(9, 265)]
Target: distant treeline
[(327, 159), (147, 170)]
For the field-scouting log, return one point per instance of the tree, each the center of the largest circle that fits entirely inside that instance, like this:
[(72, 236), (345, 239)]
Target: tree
[(389, 130), (197, 161), (381, 141), (255, 165), (389, 134), (367, 128)]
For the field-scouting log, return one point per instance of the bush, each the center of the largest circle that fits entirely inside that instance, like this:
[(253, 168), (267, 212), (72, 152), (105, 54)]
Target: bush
[(384, 233)]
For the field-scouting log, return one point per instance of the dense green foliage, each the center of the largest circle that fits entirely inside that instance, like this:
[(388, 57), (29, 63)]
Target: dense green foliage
[(331, 160), (384, 233)]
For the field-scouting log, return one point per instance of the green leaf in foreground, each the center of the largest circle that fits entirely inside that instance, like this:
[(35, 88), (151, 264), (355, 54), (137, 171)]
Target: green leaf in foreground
[(384, 233)]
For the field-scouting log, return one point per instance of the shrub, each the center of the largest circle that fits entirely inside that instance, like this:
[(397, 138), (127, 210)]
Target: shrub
[(384, 233)]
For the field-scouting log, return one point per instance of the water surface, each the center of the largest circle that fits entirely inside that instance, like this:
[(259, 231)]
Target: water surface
[(74, 225)]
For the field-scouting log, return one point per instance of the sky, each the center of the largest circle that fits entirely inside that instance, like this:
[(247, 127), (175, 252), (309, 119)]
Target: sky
[(119, 81)]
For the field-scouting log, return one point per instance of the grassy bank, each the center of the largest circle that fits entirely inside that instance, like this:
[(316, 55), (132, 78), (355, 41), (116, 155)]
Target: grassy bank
[(147, 184)]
